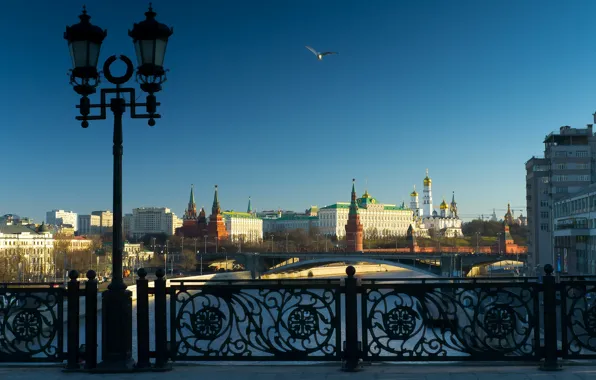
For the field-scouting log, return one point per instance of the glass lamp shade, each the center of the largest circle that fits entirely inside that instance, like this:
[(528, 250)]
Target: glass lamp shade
[(150, 39), (84, 43)]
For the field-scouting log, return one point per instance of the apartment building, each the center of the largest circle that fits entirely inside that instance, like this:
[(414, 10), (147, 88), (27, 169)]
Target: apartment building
[(566, 168)]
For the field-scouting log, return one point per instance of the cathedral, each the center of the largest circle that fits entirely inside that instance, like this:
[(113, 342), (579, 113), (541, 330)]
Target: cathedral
[(446, 222)]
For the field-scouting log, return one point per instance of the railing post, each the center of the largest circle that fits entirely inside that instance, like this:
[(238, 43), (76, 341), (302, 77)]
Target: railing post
[(91, 321), (161, 327), (142, 319), (351, 354), (550, 321), (73, 321)]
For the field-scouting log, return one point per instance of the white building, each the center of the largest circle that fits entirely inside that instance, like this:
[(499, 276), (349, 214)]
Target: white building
[(446, 222), (376, 218), (25, 251), (106, 220), (89, 225), (153, 220), (243, 225), (61, 217)]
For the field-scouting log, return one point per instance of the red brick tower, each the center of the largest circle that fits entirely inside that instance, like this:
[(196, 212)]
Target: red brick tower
[(216, 228), (353, 227), (189, 224), (202, 222)]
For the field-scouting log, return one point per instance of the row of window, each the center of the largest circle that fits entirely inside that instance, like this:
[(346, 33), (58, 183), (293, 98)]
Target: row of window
[(565, 178), (579, 153)]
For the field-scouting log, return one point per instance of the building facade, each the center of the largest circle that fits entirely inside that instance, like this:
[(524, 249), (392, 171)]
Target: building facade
[(446, 222), (89, 225), (243, 226), (106, 221), (566, 168), (575, 232), (153, 220), (376, 218), (25, 250), (61, 217)]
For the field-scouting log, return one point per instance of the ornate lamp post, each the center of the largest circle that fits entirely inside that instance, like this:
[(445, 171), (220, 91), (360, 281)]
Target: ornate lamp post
[(150, 39)]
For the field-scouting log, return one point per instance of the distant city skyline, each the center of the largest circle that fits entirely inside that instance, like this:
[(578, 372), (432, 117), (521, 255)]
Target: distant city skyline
[(466, 89)]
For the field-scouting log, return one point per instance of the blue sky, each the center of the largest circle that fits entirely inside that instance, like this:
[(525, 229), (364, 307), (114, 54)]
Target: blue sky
[(467, 89)]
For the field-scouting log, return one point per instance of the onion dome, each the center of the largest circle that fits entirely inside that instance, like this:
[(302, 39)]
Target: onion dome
[(43, 228), (414, 193), (427, 181), (365, 195), (443, 205)]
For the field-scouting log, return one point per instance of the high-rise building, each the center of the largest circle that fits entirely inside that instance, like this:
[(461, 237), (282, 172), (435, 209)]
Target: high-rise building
[(566, 168), (153, 220), (106, 220), (61, 217), (89, 225)]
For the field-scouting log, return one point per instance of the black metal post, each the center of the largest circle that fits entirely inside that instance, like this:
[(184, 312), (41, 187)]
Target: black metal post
[(161, 327), (143, 319), (91, 321), (351, 354), (73, 321), (550, 321), (117, 301)]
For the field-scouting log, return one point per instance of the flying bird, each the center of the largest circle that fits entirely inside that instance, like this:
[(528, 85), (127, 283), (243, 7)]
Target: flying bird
[(320, 55)]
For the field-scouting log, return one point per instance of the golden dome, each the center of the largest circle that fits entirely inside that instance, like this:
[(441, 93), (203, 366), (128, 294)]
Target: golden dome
[(427, 181), (366, 194), (443, 205), (414, 193)]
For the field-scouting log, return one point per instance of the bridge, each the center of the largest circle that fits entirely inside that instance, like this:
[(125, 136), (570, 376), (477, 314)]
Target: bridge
[(441, 264)]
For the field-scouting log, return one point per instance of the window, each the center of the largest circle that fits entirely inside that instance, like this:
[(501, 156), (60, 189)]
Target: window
[(561, 154), (543, 226), (581, 153), (544, 214), (543, 203), (561, 166), (545, 180)]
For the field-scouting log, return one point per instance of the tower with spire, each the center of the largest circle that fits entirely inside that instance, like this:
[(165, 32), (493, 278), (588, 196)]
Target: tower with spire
[(427, 199), (190, 228), (191, 210), (354, 234), (249, 209), (216, 229), (453, 207), (508, 218), (414, 204)]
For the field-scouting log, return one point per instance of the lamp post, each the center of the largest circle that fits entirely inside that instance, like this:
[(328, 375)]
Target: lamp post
[(150, 39)]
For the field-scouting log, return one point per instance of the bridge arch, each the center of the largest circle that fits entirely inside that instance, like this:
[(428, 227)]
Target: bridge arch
[(313, 263)]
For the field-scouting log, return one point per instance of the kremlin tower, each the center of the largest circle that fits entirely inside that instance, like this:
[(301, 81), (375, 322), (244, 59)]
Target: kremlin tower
[(427, 206), (354, 227), (216, 228), (414, 205), (190, 226)]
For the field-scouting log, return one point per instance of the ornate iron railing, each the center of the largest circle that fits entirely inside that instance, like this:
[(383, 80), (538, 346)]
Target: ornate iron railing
[(578, 318), (255, 320), (450, 321), (347, 320), (32, 323)]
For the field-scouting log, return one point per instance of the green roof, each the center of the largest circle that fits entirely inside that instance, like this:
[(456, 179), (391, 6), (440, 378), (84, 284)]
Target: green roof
[(238, 214), (337, 205), (395, 208), (297, 217)]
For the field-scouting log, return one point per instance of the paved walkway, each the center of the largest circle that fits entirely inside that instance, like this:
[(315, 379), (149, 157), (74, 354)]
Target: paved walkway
[(328, 372)]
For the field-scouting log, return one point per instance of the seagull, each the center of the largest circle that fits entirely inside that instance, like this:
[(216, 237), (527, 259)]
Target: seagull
[(320, 55)]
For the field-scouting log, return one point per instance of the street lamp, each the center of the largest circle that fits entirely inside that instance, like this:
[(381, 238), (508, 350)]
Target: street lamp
[(84, 41)]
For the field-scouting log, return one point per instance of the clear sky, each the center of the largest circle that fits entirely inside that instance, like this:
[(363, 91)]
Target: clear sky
[(467, 89)]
